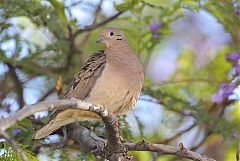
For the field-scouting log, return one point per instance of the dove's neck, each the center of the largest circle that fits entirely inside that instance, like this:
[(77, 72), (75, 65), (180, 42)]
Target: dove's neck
[(118, 53), (122, 57)]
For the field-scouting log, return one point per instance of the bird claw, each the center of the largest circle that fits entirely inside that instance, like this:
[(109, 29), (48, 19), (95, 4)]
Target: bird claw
[(98, 149)]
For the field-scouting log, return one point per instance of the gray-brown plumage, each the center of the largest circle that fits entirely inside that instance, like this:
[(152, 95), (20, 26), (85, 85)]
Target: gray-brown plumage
[(112, 78)]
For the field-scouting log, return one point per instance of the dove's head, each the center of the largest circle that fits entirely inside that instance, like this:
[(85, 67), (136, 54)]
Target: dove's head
[(111, 37)]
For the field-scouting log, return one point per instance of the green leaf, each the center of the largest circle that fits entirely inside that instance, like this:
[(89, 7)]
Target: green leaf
[(10, 155)]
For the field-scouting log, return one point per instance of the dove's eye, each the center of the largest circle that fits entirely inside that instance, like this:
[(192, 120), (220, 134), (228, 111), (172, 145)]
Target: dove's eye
[(111, 34)]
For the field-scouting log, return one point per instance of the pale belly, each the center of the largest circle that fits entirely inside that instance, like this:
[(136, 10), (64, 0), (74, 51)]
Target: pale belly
[(115, 92)]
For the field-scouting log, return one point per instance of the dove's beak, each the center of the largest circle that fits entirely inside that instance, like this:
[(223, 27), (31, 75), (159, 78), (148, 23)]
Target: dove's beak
[(101, 39)]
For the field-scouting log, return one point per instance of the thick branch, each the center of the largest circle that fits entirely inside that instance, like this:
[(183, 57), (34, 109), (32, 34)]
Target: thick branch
[(165, 149), (115, 149), (50, 105)]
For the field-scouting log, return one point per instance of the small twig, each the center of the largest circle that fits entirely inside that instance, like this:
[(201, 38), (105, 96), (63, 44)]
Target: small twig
[(71, 52), (152, 5), (17, 83), (182, 148), (91, 27), (189, 81), (30, 65), (86, 37), (98, 8), (188, 114), (201, 142), (44, 96), (3, 86), (178, 134), (75, 3), (15, 146)]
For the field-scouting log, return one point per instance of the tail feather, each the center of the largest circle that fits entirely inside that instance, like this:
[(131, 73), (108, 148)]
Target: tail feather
[(63, 118)]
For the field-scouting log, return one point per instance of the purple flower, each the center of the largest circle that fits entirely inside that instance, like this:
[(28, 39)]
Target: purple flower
[(237, 69), (16, 131), (155, 26), (223, 92), (237, 11), (233, 56), (155, 35)]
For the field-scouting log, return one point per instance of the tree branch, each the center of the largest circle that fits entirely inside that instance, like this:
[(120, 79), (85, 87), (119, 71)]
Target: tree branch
[(165, 149), (50, 105), (152, 5), (199, 80), (115, 149), (44, 96), (96, 25), (17, 83), (71, 52), (178, 134), (202, 141)]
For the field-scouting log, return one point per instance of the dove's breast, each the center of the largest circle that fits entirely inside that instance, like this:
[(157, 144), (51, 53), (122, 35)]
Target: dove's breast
[(118, 88)]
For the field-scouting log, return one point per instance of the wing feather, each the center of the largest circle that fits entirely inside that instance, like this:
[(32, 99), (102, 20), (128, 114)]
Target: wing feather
[(80, 89), (87, 77)]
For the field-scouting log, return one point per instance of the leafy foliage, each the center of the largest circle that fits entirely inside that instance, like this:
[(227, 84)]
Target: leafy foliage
[(10, 155)]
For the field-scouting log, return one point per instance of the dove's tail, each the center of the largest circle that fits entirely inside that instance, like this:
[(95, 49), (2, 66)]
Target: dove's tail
[(62, 118)]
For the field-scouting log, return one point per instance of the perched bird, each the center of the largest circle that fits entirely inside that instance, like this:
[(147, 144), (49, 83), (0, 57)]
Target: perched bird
[(112, 78)]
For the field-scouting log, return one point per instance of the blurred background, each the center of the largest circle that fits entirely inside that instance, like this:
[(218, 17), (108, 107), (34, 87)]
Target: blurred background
[(190, 53)]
